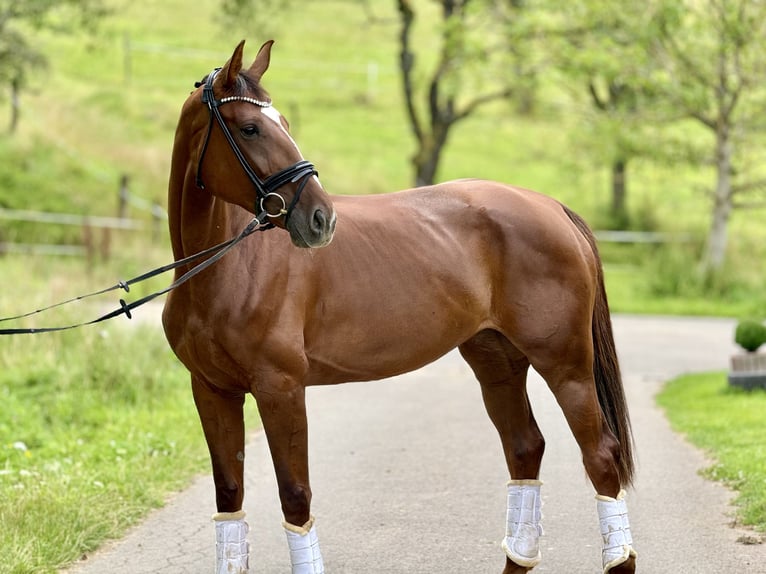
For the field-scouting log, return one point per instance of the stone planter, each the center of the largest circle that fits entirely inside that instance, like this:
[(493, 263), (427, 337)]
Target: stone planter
[(748, 371)]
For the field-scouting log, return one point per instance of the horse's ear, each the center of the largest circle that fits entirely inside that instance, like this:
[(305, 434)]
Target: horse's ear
[(228, 75), (261, 63)]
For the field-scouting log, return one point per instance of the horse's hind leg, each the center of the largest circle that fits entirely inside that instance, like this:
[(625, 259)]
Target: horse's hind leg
[(223, 424), (568, 369), (502, 370)]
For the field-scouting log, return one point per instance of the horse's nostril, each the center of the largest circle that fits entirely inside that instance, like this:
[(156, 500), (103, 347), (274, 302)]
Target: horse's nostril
[(319, 223)]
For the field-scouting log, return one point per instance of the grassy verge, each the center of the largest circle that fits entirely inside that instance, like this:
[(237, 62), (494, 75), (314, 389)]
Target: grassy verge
[(97, 426), (728, 424)]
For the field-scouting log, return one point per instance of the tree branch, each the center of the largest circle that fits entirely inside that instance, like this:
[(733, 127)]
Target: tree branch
[(749, 186), (599, 103), (749, 205), (702, 118), (406, 65), (479, 101)]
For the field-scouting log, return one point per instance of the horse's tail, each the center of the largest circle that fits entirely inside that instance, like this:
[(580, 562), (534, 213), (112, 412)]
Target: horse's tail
[(606, 368)]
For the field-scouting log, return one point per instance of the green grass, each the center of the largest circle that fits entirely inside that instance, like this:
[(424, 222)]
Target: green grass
[(97, 426), (728, 424)]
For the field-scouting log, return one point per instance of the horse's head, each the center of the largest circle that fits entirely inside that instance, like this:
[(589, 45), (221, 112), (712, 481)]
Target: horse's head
[(246, 155)]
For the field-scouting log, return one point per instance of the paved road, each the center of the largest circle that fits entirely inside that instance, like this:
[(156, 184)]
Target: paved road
[(408, 477)]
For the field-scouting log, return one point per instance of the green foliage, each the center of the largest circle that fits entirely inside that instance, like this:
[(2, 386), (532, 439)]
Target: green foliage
[(728, 424), (750, 335), (18, 52), (673, 272)]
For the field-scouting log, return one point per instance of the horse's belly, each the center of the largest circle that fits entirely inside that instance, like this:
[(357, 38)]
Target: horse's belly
[(374, 350)]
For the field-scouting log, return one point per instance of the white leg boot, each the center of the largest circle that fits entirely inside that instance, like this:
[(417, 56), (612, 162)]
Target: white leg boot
[(305, 556), (231, 546), (523, 530), (617, 541)]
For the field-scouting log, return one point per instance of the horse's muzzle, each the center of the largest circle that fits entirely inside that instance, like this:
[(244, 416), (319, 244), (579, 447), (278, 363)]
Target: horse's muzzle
[(317, 230)]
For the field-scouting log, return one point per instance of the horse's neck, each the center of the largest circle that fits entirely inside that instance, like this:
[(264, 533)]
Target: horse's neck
[(199, 220)]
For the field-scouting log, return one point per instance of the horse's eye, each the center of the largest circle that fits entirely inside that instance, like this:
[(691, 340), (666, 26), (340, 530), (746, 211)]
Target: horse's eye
[(249, 130)]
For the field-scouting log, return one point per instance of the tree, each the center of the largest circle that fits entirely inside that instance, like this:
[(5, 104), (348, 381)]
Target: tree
[(242, 14), (714, 59), (600, 49), (434, 106), (18, 54), (434, 111)]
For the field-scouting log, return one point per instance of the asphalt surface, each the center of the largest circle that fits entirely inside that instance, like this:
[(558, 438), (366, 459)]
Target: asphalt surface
[(408, 477)]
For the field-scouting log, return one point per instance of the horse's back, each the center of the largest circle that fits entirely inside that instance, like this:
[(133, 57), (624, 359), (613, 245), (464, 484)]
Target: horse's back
[(517, 229)]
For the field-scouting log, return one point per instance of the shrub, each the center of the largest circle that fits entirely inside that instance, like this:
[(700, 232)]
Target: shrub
[(750, 335)]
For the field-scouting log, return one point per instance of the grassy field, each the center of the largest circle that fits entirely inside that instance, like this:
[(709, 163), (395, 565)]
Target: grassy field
[(727, 424), (97, 426)]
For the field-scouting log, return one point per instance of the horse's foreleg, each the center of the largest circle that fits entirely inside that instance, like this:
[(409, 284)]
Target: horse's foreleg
[(223, 424), (501, 370), (283, 414)]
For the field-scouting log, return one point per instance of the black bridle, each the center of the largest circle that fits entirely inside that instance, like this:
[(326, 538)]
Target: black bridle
[(299, 172)]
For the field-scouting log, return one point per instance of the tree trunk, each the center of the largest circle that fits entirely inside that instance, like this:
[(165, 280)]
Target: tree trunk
[(715, 254), (427, 157), (426, 164), (619, 192), (15, 105)]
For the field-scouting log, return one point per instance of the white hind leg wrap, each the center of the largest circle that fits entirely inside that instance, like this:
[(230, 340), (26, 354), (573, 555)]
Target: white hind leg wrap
[(231, 546), (305, 556), (617, 541), (523, 530)]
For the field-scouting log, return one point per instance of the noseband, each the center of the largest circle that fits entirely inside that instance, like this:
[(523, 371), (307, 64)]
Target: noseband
[(264, 189)]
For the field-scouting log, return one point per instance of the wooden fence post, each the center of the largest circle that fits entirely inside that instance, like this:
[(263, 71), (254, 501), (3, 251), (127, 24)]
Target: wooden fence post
[(122, 196)]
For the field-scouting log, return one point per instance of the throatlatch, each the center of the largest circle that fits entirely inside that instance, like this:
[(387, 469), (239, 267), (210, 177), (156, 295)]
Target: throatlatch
[(305, 556), (617, 541), (523, 530), (231, 545)]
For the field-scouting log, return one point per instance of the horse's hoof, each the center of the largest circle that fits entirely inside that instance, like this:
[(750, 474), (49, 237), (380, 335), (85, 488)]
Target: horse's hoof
[(627, 567), (512, 568)]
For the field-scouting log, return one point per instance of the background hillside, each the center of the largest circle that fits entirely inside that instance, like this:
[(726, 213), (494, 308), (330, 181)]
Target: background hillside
[(108, 102)]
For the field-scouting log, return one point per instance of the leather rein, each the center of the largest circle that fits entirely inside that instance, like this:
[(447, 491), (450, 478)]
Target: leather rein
[(299, 172)]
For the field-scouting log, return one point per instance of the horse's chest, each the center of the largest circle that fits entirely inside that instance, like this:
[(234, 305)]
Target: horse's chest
[(214, 346)]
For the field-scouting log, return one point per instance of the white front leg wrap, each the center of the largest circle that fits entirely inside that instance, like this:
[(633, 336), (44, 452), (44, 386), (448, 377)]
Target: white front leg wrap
[(305, 556), (617, 541), (523, 530), (231, 546)]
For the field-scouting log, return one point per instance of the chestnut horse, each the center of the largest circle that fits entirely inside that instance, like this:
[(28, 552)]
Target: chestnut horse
[(510, 277)]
